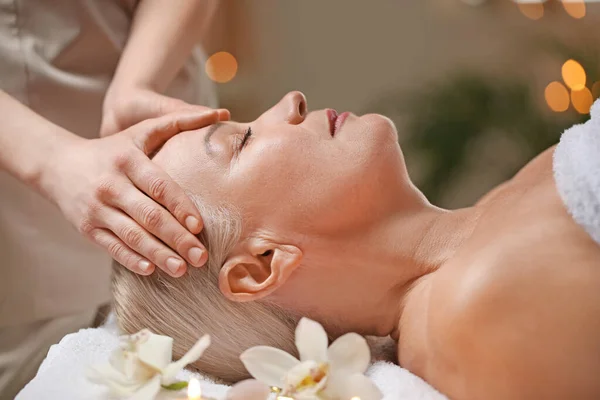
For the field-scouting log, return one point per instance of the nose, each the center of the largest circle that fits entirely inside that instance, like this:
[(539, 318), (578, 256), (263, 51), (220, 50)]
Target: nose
[(294, 107)]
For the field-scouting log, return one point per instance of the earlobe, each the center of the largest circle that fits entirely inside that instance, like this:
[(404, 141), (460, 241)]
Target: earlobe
[(257, 270)]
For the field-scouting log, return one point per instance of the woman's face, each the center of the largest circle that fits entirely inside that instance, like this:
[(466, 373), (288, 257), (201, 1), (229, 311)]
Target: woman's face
[(293, 173)]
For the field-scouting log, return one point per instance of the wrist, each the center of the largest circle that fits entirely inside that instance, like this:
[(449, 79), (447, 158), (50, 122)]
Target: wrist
[(48, 170), (130, 77)]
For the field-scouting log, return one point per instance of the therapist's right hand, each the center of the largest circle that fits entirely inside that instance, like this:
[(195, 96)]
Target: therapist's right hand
[(117, 197)]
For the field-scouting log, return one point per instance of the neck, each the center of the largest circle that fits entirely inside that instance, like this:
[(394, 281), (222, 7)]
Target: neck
[(401, 253)]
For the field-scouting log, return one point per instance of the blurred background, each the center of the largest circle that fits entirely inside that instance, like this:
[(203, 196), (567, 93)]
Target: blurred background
[(476, 88)]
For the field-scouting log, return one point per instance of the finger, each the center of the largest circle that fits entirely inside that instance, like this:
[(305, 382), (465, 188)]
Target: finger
[(153, 133), (159, 222), (157, 184), (121, 253), (142, 242), (224, 114), (168, 105)]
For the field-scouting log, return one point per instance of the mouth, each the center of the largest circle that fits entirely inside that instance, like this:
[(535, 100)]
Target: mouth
[(335, 120)]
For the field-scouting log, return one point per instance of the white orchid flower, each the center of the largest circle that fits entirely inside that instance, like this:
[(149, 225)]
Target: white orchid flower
[(334, 373), (249, 389), (142, 364)]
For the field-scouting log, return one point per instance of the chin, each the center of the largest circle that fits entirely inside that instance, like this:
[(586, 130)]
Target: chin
[(381, 125)]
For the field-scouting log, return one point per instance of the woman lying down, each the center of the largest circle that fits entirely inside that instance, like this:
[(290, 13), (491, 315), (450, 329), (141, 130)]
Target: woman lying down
[(314, 214)]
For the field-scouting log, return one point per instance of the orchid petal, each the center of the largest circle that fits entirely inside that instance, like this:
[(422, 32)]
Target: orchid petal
[(296, 375), (357, 385), (135, 370), (104, 373), (267, 364), (311, 392), (250, 389), (115, 389), (335, 384), (311, 341), (148, 391), (117, 360), (193, 354), (116, 382), (349, 353), (130, 342), (156, 351), (307, 396)]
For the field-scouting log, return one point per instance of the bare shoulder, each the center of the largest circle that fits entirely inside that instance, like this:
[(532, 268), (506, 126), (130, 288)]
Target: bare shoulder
[(517, 313), (540, 168)]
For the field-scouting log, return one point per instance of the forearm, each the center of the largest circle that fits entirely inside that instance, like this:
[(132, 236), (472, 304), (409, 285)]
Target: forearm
[(27, 141), (162, 36)]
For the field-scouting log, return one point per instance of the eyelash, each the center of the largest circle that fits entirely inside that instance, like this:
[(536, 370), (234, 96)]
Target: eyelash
[(245, 138)]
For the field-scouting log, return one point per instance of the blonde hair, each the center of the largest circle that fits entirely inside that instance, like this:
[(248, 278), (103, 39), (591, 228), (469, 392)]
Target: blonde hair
[(186, 308)]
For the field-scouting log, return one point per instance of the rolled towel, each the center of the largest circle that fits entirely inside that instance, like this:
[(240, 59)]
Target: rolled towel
[(577, 172)]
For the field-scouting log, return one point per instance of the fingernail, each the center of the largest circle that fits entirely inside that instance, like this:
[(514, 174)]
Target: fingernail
[(174, 264), (144, 266), (195, 254), (192, 224)]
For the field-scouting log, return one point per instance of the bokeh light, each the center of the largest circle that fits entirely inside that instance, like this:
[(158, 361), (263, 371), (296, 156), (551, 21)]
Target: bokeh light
[(582, 100), (557, 97), (575, 8), (194, 390), (574, 75), (221, 67), (596, 90), (533, 11)]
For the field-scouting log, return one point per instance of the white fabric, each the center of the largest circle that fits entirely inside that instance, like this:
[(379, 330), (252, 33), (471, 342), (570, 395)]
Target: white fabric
[(62, 376), (577, 172), (24, 347)]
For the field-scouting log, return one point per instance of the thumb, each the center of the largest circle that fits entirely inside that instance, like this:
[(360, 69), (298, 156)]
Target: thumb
[(109, 125), (150, 134), (166, 105), (142, 106), (156, 105)]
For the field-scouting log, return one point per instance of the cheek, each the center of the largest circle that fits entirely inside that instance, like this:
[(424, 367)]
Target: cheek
[(287, 184), (272, 172), (364, 180)]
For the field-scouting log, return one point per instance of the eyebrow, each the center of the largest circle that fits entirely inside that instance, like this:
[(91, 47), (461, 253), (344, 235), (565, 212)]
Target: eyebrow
[(211, 131)]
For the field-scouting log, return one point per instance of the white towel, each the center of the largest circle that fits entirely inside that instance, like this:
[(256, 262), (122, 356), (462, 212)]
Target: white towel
[(62, 375), (577, 172)]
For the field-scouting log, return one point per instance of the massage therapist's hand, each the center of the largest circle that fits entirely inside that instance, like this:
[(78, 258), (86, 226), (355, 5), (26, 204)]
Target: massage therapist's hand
[(117, 197), (126, 106)]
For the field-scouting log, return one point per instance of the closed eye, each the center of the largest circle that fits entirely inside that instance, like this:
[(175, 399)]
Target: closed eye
[(245, 139)]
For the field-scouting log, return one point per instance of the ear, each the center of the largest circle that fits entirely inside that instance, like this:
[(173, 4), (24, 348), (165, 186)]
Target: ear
[(257, 268)]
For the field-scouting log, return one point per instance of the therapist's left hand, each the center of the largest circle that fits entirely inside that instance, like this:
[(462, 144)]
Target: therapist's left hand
[(126, 106)]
